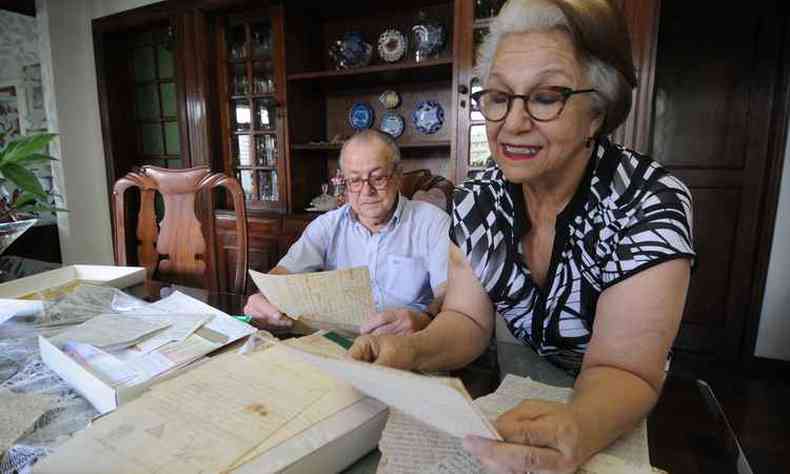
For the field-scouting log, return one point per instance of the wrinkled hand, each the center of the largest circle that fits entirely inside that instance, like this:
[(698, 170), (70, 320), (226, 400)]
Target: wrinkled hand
[(396, 321), (263, 312), (389, 350), (540, 436)]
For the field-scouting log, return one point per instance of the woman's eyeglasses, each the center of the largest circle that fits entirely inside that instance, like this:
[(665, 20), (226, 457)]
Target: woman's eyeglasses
[(543, 104)]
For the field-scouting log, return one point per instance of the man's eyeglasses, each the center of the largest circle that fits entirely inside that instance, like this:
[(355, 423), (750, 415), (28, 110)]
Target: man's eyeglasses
[(377, 181), (543, 104)]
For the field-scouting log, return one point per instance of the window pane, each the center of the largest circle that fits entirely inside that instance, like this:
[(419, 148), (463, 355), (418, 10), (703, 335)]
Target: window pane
[(478, 146), (247, 180), (262, 39), (168, 99), (241, 115), (268, 183), (264, 114), (241, 150), (487, 8), (147, 102), (238, 80), (172, 139), (237, 43), (144, 64), (263, 73), (266, 150), (152, 139), (165, 57)]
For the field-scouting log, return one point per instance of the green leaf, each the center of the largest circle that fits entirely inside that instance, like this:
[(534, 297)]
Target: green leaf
[(25, 198), (38, 208), (35, 158), (23, 177), (27, 145)]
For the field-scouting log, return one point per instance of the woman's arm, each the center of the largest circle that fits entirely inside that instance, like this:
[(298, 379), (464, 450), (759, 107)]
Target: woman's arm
[(458, 334), (620, 381)]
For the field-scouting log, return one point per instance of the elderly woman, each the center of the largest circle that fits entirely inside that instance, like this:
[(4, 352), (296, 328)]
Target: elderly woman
[(583, 247)]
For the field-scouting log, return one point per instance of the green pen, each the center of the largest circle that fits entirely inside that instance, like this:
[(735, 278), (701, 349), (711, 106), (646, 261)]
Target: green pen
[(242, 317)]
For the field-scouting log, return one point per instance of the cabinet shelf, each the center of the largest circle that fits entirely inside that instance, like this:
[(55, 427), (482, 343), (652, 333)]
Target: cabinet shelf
[(437, 69), (402, 146)]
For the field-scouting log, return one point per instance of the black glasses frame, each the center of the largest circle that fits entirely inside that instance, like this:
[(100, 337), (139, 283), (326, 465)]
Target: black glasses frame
[(564, 92)]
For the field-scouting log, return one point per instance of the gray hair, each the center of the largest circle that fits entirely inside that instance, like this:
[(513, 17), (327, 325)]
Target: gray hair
[(600, 37), (366, 136)]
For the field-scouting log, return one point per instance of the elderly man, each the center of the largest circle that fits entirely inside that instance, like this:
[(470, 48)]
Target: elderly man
[(403, 243)]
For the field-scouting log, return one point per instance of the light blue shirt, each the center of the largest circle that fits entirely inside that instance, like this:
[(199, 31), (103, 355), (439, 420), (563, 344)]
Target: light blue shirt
[(407, 259)]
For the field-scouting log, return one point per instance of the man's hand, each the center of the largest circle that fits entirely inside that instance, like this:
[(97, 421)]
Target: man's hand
[(540, 436), (265, 313), (389, 350), (401, 321)]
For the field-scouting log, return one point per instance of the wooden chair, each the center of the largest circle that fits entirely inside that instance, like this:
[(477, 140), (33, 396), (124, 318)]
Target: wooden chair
[(176, 249), (421, 185)]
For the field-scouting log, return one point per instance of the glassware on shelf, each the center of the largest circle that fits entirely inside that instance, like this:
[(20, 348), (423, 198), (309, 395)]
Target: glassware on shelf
[(241, 115), (262, 39), (266, 150), (428, 38), (268, 184), (263, 73), (238, 82), (238, 43), (264, 114), (247, 180)]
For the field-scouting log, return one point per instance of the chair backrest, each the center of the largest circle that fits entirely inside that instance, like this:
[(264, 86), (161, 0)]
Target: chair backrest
[(421, 185), (175, 250)]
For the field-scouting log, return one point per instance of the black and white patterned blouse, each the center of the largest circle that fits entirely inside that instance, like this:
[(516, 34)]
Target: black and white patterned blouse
[(627, 215)]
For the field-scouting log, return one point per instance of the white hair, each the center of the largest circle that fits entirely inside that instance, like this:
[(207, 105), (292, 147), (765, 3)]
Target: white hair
[(373, 134), (524, 16)]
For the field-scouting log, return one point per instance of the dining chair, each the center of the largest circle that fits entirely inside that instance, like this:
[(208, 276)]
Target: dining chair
[(177, 249), (422, 185)]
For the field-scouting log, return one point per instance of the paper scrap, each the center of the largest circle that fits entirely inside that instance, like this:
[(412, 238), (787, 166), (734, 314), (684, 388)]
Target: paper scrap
[(222, 323), (441, 402), (110, 331), (340, 296), (188, 350), (107, 367), (181, 326), (18, 414)]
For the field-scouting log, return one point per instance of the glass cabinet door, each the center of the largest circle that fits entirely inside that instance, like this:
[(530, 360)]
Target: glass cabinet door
[(252, 100)]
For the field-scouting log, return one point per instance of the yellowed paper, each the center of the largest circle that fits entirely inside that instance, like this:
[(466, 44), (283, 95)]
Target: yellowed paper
[(338, 297), (438, 401), (110, 331), (18, 412), (205, 420), (408, 445)]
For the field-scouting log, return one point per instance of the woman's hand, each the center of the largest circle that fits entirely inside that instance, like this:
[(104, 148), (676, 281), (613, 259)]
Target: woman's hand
[(389, 350), (401, 321), (540, 436)]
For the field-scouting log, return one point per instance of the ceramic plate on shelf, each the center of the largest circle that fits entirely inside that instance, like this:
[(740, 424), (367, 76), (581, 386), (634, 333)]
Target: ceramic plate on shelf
[(392, 45), (389, 99), (360, 117), (428, 117), (393, 124)]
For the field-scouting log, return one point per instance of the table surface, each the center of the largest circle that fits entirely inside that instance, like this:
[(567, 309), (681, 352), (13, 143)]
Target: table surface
[(683, 436)]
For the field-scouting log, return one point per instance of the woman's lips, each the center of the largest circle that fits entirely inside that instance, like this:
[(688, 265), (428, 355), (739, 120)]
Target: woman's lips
[(519, 152)]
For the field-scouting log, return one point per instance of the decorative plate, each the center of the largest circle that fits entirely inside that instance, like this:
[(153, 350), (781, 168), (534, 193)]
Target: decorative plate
[(360, 116), (389, 99), (428, 118), (392, 123), (392, 45), (350, 52)]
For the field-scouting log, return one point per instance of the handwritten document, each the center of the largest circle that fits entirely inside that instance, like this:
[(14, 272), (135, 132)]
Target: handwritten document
[(409, 445), (180, 327), (205, 420), (341, 297), (440, 402)]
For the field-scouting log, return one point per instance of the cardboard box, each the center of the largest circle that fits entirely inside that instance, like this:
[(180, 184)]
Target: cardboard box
[(105, 275)]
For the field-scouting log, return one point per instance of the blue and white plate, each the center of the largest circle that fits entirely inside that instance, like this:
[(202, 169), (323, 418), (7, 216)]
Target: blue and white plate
[(392, 123), (428, 118), (360, 116)]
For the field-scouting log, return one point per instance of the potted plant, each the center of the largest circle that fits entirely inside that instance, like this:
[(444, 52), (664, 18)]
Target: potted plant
[(21, 194)]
